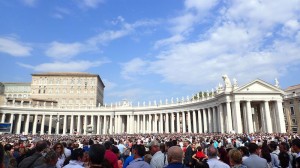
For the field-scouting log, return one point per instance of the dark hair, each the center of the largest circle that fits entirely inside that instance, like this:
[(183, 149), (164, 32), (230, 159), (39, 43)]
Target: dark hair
[(1, 154), (141, 151), (252, 147), (96, 153), (199, 148), (7, 147), (77, 153), (273, 145), (284, 159), (296, 142), (115, 149), (40, 146), (107, 144), (265, 152), (244, 150)]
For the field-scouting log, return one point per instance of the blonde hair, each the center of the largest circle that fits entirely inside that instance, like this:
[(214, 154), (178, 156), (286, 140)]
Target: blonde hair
[(235, 156)]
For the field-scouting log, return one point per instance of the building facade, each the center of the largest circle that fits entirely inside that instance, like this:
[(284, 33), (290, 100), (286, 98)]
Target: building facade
[(253, 107), (68, 89), (292, 108)]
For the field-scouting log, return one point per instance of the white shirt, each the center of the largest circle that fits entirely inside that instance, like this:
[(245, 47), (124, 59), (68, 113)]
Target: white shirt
[(157, 160), (74, 164), (215, 163)]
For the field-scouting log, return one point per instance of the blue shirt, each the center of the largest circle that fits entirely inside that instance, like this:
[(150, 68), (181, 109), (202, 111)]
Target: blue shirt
[(127, 161), (138, 163)]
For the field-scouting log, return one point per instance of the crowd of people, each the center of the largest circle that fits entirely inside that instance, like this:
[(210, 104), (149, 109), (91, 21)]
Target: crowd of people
[(150, 151)]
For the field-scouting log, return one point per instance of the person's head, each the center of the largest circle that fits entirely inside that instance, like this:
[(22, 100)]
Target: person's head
[(96, 154), (162, 147), (168, 145), (77, 154), (296, 145), (212, 152), (8, 147), (147, 158), (199, 149), (58, 148), (154, 147), (244, 150), (253, 148), (40, 146), (51, 158), (283, 147), (175, 154), (235, 157), (115, 150), (273, 146), (108, 145), (139, 151)]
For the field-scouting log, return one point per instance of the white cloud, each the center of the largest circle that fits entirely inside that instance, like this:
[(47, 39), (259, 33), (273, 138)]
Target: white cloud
[(89, 3), (241, 41), (109, 85), (60, 12), (200, 5), (14, 47), (168, 41), (59, 50), (134, 67), (30, 3), (73, 66)]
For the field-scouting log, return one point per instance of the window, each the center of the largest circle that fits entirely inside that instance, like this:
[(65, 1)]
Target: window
[(294, 121), (292, 110)]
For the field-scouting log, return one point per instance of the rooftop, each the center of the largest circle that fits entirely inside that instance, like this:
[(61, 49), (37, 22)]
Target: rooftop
[(290, 88), (65, 74)]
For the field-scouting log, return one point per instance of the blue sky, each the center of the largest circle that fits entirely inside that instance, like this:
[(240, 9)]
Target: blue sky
[(152, 50)]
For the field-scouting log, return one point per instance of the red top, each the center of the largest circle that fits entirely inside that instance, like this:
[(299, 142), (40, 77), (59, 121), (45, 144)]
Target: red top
[(200, 155), (112, 158)]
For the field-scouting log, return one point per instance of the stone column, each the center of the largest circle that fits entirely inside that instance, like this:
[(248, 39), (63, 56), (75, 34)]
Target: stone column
[(27, 124), (167, 130), (183, 122), (221, 118), (43, 125), (18, 131), (3, 118), (57, 124), (268, 117), (210, 125), (229, 117), (280, 116), (72, 125), (155, 123), (249, 117), (150, 124), (98, 124), (189, 121), (127, 124), (214, 119), (104, 124), (194, 122), (116, 124), (85, 125), (110, 124), (34, 124), (138, 128), (178, 122), (65, 125), (78, 124), (199, 122), (245, 117), (172, 122), (144, 123), (161, 129), (11, 120), (237, 110), (205, 121), (50, 124)]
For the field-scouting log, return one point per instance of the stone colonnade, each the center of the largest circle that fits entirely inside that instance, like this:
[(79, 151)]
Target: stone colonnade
[(238, 116)]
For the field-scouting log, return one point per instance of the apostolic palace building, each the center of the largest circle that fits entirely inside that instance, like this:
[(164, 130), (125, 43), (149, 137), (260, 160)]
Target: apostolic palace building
[(72, 103)]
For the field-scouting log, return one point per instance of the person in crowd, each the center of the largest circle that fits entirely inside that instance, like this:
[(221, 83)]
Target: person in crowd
[(138, 162), (147, 158), (129, 158), (175, 156), (223, 154), (59, 149), (235, 159), (271, 158), (109, 155), (33, 160), (199, 155), (296, 146), (254, 158), (96, 157), (245, 152), (274, 153), (122, 149), (284, 148), (22, 154), (9, 160), (1, 156), (67, 151), (116, 151), (50, 160), (77, 159), (157, 160), (213, 161), (188, 155)]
